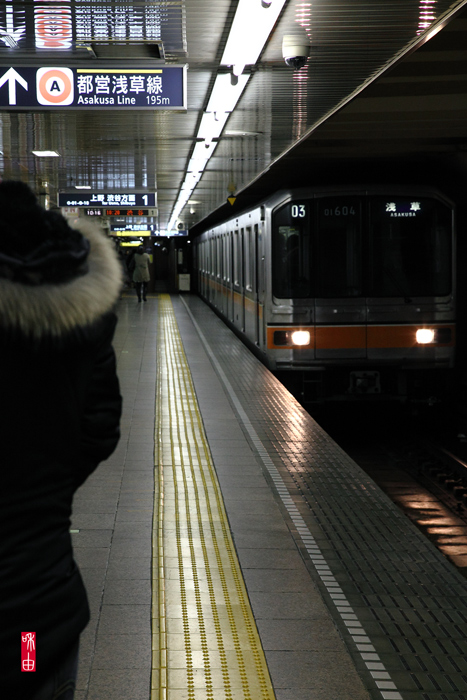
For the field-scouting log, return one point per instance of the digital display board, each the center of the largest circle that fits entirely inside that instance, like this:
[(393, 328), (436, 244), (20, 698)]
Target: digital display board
[(57, 25), (130, 232), (112, 200), (126, 212), (403, 209)]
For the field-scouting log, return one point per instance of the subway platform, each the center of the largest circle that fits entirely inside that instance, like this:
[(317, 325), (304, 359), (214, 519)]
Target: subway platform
[(211, 578)]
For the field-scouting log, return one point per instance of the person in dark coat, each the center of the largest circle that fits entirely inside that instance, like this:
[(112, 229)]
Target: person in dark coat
[(60, 408), (141, 275)]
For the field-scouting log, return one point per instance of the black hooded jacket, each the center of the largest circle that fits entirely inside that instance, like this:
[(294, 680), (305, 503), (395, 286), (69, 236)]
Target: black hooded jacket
[(60, 409)]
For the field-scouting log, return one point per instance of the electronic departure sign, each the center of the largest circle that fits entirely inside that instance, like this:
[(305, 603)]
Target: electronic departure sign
[(61, 87), (114, 200), (126, 212), (129, 229), (117, 212), (58, 25)]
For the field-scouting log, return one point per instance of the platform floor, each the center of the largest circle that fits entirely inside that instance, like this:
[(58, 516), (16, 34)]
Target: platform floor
[(339, 597)]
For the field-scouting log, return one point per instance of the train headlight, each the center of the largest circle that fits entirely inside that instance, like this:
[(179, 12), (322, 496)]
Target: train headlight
[(301, 337), (425, 336)]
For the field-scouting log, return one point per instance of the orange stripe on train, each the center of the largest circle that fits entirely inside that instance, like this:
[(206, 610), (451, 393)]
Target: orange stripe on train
[(359, 337)]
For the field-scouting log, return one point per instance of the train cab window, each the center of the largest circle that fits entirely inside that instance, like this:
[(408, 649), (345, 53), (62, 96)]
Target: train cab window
[(291, 250), (339, 243), (410, 247)]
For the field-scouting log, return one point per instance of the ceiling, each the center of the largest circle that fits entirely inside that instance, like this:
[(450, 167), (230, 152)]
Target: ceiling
[(374, 90)]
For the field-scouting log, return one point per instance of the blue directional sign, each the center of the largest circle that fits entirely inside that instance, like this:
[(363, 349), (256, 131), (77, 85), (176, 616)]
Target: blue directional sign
[(108, 199), (56, 87)]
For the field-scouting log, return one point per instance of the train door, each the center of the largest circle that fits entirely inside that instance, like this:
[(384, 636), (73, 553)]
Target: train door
[(212, 271), (226, 281), (340, 306), (204, 250), (251, 284), (242, 279), (239, 305), (218, 274), (260, 235), (222, 295), (207, 269), (230, 284)]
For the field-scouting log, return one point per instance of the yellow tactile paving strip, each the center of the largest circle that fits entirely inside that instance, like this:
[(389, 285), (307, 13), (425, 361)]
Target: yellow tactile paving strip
[(205, 642)]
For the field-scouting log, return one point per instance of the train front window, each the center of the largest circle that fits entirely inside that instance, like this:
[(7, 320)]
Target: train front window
[(291, 251), (340, 247), (410, 247)]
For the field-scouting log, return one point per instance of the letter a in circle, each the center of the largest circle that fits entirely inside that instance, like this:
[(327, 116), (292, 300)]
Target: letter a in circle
[(55, 86)]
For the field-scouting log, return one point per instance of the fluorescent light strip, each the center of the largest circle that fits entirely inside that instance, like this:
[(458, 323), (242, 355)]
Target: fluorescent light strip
[(251, 27), (224, 95), (250, 30), (46, 154), (223, 100), (212, 124)]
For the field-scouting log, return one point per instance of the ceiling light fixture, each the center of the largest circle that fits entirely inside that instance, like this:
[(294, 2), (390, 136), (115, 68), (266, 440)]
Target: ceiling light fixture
[(251, 27), (224, 95), (250, 30), (82, 187), (46, 154), (211, 126)]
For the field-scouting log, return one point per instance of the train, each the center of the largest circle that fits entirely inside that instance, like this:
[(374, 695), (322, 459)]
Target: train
[(350, 291)]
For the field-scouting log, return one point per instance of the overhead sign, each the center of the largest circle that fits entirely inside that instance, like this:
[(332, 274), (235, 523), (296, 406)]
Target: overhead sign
[(124, 233), (93, 88), (108, 199), (58, 25)]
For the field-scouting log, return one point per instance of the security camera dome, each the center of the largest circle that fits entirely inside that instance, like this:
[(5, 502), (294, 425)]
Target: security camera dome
[(296, 49), (295, 62)]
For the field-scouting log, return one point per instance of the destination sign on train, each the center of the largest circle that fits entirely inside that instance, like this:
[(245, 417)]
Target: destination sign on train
[(53, 87), (113, 200)]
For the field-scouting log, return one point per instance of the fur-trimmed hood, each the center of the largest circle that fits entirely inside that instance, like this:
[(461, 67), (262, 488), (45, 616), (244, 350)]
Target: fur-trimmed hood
[(56, 309)]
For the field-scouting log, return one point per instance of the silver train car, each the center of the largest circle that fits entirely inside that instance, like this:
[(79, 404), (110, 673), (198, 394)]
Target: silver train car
[(351, 289)]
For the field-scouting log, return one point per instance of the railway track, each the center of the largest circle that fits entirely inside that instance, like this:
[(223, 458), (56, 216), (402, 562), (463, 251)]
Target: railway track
[(425, 474)]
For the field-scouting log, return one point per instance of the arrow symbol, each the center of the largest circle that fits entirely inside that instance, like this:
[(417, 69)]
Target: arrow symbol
[(11, 36), (12, 76)]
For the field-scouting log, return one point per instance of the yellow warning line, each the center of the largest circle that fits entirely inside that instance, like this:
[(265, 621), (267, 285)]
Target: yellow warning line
[(205, 642)]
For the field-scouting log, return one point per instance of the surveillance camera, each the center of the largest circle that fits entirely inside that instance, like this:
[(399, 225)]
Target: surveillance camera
[(295, 50)]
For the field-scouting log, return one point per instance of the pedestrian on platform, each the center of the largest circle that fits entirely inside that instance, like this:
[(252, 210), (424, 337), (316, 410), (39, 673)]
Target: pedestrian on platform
[(141, 274), (60, 409)]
